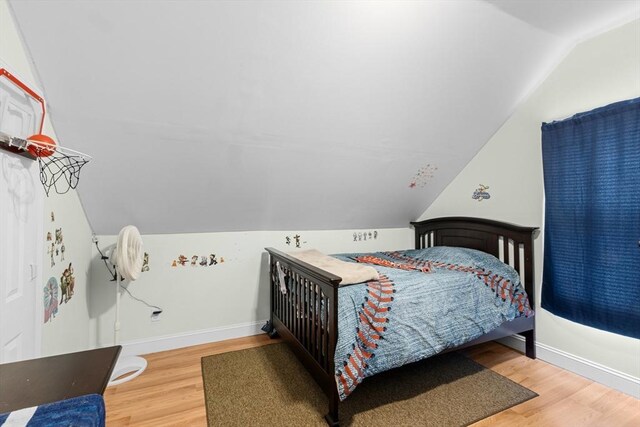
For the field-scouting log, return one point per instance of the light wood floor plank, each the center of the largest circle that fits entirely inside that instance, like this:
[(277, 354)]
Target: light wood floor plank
[(170, 391)]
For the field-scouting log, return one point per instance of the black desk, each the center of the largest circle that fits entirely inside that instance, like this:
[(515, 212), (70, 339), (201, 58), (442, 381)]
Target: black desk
[(49, 379)]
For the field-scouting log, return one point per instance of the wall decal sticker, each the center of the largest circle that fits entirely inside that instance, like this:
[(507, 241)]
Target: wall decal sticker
[(67, 284), (57, 248), (364, 235), (481, 193), (196, 260), (50, 297), (145, 262), (423, 176), (296, 238)]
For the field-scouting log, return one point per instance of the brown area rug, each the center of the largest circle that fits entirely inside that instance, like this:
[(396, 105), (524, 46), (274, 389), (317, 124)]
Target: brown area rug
[(268, 386)]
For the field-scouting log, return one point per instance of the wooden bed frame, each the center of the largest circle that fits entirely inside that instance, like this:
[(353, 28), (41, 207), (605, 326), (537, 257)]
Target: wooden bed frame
[(313, 334)]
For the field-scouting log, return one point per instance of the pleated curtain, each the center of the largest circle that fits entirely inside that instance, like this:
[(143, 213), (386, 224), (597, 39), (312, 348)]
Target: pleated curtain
[(592, 218)]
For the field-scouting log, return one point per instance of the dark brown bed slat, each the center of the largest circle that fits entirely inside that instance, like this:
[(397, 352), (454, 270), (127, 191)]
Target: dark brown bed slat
[(516, 261), (308, 319)]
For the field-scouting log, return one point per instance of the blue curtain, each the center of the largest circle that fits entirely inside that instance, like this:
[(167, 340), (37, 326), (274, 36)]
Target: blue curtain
[(592, 218)]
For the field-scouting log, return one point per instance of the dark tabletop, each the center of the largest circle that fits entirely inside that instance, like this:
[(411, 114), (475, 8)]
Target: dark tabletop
[(49, 379)]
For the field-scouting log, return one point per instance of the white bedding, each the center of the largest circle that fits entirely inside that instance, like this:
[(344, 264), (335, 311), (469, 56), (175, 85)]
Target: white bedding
[(350, 272)]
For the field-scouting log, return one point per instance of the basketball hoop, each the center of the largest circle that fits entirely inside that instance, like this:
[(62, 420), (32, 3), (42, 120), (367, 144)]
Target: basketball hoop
[(59, 167)]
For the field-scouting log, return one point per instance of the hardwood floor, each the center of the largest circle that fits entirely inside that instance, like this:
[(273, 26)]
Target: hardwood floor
[(170, 392)]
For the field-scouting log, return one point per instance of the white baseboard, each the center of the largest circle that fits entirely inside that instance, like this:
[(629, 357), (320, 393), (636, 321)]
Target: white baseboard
[(171, 342), (594, 371)]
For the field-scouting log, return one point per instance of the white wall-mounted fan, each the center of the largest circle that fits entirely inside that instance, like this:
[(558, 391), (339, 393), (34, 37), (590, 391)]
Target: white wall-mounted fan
[(127, 257)]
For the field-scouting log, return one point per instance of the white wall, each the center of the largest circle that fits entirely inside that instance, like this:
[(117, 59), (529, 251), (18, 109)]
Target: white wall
[(227, 295), (597, 72), (70, 330)]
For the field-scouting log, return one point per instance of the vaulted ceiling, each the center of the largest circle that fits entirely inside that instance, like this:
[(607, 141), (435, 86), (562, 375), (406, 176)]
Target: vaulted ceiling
[(267, 115)]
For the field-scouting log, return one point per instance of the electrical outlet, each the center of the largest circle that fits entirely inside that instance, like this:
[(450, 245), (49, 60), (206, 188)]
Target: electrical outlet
[(155, 316)]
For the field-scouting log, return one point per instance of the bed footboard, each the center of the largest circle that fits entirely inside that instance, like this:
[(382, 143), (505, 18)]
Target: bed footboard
[(304, 312)]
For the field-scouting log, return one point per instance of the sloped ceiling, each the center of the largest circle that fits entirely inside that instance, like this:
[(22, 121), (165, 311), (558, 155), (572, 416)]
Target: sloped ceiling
[(223, 116)]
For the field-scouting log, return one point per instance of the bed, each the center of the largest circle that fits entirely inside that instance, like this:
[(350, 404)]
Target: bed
[(305, 304)]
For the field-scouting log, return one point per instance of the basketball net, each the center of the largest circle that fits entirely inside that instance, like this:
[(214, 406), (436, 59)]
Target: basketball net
[(60, 170)]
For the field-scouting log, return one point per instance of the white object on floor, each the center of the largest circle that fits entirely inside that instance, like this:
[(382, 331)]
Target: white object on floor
[(132, 365), (127, 258)]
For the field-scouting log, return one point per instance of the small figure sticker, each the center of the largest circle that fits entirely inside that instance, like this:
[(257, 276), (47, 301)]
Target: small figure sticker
[(58, 236), (481, 193), (67, 284), (297, 239), (423, 176), (50, 295), (145, 262)]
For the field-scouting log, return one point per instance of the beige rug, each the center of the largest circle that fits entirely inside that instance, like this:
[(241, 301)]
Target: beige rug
[(268, 386)]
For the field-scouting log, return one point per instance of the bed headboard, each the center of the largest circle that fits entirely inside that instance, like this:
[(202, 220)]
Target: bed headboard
[(512, 244)]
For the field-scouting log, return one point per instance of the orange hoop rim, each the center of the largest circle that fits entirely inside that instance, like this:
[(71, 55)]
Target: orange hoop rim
[(57, 149), (13, 79)]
